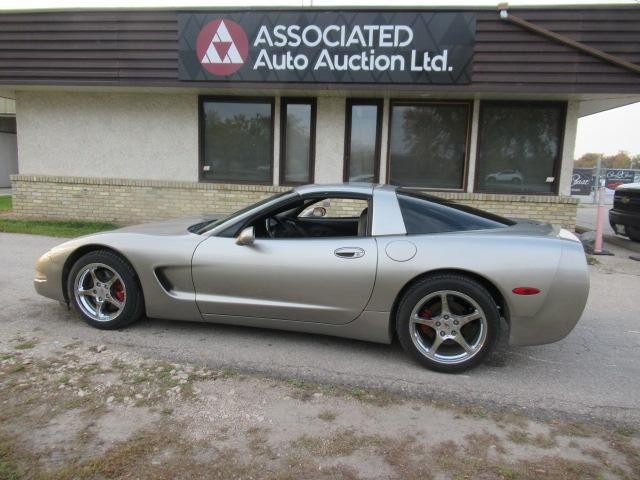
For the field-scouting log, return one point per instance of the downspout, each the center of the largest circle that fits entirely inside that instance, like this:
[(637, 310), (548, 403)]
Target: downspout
[(556, 37)]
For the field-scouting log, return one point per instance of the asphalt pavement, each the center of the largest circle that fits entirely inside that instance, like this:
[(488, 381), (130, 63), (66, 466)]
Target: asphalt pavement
[(592, 374)]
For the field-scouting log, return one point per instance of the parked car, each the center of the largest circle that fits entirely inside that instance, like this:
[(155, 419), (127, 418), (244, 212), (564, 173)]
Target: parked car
[(624, 217), (438, 275), (506, 176)]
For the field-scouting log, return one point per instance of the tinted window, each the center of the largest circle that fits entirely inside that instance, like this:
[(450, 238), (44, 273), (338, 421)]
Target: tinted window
[(363, 137), (425, 214), (8, 124), (519, 146), (428, 145), (297, 147), (238, 143)]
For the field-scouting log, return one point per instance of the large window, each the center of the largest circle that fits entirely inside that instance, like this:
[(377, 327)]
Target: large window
[(519, 146), (297, 144), (237, 140), (362, 140), (428, 144)]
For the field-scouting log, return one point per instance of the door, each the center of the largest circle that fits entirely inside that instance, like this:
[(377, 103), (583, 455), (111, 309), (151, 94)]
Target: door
[(324, 280)]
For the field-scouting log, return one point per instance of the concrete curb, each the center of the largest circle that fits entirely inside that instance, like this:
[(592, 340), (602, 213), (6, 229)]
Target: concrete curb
[(613, 239)]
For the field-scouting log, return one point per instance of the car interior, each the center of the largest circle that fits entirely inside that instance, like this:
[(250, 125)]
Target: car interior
[(316, 218)]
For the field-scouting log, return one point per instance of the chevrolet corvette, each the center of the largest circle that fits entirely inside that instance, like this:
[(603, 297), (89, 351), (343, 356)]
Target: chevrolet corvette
[(363, 261)]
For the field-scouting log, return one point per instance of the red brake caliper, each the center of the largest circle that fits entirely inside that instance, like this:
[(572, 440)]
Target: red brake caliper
[(426, 313), (118, 291)]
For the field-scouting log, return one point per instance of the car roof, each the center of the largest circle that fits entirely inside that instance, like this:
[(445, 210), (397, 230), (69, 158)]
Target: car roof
[(356, 187)]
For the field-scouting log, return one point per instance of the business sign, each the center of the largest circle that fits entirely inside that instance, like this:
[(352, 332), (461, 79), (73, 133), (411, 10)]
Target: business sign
[(618, 176), (582, 181), (327, 47)]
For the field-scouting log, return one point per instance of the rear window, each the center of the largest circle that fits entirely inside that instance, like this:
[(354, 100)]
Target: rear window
[(427, 214)]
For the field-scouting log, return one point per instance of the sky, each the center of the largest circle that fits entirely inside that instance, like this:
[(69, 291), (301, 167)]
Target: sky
[(609, 132)]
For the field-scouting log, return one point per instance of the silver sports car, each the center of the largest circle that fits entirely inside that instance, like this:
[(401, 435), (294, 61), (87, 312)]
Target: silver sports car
[(355, 260)]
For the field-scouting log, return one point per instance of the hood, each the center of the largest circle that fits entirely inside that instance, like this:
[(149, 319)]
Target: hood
[(628, 186), (176, 226)]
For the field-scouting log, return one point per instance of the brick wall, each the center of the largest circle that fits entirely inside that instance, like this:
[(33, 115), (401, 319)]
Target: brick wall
[(131, 201)]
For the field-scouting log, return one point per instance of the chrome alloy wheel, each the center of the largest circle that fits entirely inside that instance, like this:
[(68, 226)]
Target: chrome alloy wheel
[(99, 292), (448, 327)]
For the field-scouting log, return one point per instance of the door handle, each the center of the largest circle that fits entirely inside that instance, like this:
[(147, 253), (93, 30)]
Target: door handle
[(349, 252)]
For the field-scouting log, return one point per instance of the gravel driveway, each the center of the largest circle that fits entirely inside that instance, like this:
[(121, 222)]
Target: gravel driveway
[(592, 374)]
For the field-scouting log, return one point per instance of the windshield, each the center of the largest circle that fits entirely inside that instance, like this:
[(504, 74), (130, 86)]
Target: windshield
[(205, 227)]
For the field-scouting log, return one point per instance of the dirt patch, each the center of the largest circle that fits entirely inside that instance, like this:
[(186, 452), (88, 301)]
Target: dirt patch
[(86, 412)]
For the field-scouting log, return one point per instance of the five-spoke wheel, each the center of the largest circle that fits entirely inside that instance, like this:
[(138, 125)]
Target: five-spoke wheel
[(103, 289), (448, 322), (100, 292)]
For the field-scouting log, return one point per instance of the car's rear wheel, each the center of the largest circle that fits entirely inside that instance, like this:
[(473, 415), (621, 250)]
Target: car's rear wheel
[(102, 288), (448, 323)]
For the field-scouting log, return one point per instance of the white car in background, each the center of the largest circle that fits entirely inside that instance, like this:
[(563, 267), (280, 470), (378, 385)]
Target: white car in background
[(506, 176)]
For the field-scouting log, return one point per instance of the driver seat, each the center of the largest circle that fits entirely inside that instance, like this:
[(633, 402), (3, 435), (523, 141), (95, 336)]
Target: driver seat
[(362, 222)]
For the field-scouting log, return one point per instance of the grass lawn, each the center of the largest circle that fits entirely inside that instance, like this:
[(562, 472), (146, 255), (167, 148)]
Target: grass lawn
[(52, 228), (5, 203)]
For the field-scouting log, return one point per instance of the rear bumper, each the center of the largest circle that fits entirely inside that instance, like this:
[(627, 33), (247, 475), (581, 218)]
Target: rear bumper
[(621, 217), (563, 305)]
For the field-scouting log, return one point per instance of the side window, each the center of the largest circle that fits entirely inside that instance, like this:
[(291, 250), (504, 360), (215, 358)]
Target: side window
[(316, 218), (423, 215), (335, 208)]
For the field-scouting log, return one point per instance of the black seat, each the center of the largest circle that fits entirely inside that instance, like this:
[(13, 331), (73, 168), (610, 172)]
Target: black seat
[(362, 222)]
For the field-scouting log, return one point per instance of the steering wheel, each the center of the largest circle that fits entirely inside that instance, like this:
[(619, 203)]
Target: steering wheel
[(297, 228), (270, 230)]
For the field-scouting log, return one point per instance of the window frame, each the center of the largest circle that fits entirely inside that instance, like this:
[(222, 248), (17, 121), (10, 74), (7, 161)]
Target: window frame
[(202, 99), (557, 162), (284, 101), (467, 148), (379, 103)]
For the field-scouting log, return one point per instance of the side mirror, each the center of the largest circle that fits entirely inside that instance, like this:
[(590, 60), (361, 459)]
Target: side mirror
[(246, 237)]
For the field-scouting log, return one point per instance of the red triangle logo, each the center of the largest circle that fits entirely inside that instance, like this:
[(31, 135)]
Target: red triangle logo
[(222, 48)]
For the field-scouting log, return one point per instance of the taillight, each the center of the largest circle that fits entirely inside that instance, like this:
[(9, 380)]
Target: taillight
[(526, 291)]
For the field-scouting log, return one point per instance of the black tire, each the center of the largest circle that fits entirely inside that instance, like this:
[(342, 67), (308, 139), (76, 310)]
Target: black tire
[(133, 302), (453, 283), (633, 233)]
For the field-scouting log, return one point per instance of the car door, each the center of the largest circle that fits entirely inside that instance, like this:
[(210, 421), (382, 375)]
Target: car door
[(323, 280)]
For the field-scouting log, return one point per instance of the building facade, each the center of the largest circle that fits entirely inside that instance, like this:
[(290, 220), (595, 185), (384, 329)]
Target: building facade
[(129, 116)]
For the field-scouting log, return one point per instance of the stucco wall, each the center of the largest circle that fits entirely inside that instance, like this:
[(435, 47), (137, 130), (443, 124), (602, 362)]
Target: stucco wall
[(140, 136), (569, 146), (330, 139)]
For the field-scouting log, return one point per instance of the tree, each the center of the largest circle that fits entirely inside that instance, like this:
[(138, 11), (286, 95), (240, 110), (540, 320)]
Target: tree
[(621, 159), (588, 160)]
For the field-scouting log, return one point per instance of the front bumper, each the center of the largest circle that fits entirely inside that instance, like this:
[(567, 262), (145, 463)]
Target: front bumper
[(48, 279), (621, 217)]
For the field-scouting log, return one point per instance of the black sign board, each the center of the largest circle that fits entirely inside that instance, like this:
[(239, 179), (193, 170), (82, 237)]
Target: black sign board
[(327, 47), (615, 177), (582, 181)]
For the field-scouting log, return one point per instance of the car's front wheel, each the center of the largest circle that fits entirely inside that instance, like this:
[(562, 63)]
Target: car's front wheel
[(102, 288), (448, 323)]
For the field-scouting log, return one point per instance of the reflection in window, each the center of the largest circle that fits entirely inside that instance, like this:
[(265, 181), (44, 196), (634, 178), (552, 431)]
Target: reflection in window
[(297, 147), (363, 140), (428, 144), (519, 146), (237, 140)]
